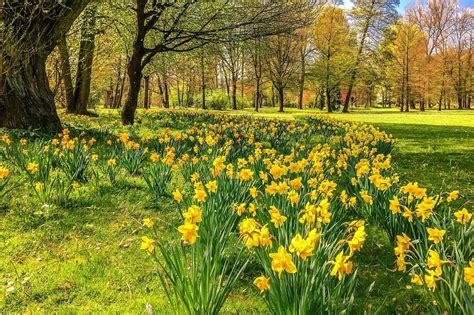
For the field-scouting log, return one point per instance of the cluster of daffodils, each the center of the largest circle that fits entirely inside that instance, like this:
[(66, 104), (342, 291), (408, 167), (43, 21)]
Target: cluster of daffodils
[(293, 197)]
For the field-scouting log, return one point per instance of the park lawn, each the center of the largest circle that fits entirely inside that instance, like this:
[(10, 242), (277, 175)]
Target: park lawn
[(87, 259)]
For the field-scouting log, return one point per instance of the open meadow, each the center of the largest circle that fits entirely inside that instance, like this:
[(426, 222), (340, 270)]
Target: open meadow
[(96, 217)]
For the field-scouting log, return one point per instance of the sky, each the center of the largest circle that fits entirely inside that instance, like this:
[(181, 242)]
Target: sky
[(405, 3)]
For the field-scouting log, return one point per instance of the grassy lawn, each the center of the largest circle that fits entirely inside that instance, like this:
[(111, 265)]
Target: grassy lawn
[(87, 259)]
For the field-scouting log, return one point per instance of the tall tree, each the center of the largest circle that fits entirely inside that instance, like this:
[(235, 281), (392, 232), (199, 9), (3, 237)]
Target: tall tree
[(231, 55), (435, 18), (331, 39), (181, 26), (282, 62), (29, 32), (407, 51), (371, 18), (77, 96)]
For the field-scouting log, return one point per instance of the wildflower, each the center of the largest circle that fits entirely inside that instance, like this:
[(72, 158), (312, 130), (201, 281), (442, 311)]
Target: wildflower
[(301, 247), (111, 162), (190, 233), (358, 239), (367, 198), (276, 218), (32, 167), (469, 273), (200, 195), (277, 171), (193, 215), (453, 195), (407, 213), (327, 187), (194, 177), (154, 157), (401, 263), (308, 214), (39, 186), (341, 265), (382, 183), (313, 237), (395, 205), (435, 235), (435, 262), (296, 183), (148, 223), (3, 172), (94, 157), (218, 163), (262, 283), (245, 174), (177, 196), (463, 216), (416, 279), (293, 197), (212, 186), (253, 192), (250, 233), (282, 261), (147, 244), (265, 237), (252, 209), (240, 209), (430, 280), (425, 208)]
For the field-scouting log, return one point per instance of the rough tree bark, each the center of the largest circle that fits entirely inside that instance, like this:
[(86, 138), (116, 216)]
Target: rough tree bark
[(33, 29)]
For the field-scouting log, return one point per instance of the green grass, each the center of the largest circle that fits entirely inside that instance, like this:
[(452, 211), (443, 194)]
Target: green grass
[(87, 259)]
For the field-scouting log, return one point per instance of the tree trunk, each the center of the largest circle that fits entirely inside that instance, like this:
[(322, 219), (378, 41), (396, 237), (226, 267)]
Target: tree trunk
[(234, 92), (167, 91), (66, 74), (134, 72), (359, 54), (203, 83), (328, 99), (84, 66), (146, 97), (281, 99), (301, 83), (27, 101), (258, 93)]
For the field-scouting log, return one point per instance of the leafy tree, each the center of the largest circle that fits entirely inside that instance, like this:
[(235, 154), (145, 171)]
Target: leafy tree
[(371, 18)]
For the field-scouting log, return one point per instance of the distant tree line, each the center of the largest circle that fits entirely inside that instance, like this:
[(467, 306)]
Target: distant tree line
[(77, 55)]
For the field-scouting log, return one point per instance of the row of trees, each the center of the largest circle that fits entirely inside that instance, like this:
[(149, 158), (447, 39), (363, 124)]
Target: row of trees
[(305, 53)]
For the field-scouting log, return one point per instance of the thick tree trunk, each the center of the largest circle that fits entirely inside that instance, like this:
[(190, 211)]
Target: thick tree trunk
[(134, 72), (27, 101)]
